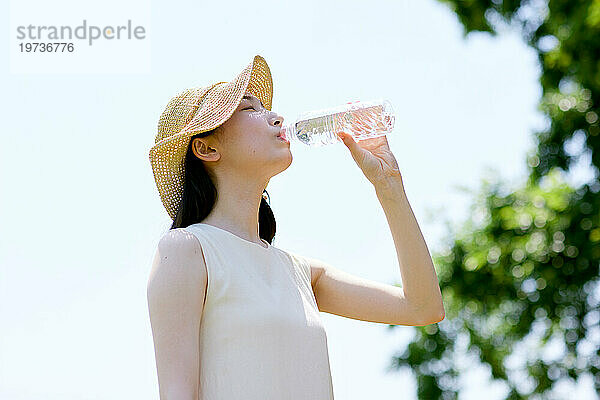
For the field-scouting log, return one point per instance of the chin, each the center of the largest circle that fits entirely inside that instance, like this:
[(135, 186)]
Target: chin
[(288, 163)]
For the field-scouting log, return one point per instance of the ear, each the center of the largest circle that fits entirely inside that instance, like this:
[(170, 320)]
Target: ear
[(203, 151)]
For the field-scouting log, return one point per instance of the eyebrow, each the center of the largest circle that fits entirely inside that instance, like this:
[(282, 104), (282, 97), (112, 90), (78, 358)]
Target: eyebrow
[(250, 97)]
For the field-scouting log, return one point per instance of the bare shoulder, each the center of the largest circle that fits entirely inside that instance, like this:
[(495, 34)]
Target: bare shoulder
[(176, 293), (178, 255)]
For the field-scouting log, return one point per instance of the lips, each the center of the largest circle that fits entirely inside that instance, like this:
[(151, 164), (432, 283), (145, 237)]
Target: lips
[(281, 135)]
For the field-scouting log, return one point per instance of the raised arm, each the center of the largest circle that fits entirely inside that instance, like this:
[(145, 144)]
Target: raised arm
[(176, 291), (420, 294)]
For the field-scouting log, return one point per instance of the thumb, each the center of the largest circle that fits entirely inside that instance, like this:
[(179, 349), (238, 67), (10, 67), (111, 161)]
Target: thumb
[(355, 150), (347, 139)]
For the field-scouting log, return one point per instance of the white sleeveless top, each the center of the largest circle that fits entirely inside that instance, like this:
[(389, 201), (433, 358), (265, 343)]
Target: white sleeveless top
[(261, 336)]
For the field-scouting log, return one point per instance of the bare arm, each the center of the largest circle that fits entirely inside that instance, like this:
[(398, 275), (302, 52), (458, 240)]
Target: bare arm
[(420, 298), (176, 292), (419, 279), (418, 302)]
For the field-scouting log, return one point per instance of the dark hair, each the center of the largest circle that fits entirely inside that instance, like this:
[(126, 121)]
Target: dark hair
[(200, 195)]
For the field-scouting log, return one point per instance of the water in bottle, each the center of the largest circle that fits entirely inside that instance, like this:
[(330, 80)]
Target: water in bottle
[(361, 119)]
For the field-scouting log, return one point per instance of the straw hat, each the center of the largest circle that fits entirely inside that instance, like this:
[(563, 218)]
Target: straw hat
[(197, 110)]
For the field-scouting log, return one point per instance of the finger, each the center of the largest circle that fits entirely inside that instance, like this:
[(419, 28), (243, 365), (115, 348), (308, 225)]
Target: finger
[(355, 150), (347, 139)]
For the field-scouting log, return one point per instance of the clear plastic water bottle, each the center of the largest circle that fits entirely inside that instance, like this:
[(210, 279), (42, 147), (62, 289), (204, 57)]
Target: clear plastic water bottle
[(361, 119)]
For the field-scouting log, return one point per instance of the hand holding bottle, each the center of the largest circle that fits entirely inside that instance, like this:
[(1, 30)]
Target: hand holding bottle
[(374, 157)]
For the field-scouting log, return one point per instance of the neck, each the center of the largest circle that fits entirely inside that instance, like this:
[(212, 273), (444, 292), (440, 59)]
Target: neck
[(236, 208)]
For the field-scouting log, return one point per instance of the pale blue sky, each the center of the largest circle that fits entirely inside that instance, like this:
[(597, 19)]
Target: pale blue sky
[(81, 217)]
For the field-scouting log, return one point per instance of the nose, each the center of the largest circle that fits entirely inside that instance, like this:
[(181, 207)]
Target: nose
[(277, 120)]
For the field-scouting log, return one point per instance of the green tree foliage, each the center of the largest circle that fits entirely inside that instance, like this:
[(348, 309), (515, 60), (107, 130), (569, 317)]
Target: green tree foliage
[(521, 275)]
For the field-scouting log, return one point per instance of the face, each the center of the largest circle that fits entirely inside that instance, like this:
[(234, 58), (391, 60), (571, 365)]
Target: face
[(247, 142)]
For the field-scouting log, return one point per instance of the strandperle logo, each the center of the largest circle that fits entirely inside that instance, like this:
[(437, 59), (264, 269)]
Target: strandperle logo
[(83, 32)]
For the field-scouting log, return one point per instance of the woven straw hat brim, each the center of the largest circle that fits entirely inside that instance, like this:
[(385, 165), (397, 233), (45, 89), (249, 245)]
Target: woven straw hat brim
[(197, 110)]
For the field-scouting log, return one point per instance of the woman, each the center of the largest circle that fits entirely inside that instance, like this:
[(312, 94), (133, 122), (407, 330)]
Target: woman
[(232, 316)]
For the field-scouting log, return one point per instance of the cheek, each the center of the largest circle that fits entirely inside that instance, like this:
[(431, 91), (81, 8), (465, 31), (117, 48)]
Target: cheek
[(248, 136), (257, 121), (250, 145)]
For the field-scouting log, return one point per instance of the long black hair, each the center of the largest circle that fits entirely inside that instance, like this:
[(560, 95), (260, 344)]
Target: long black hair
[(200, 195)]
